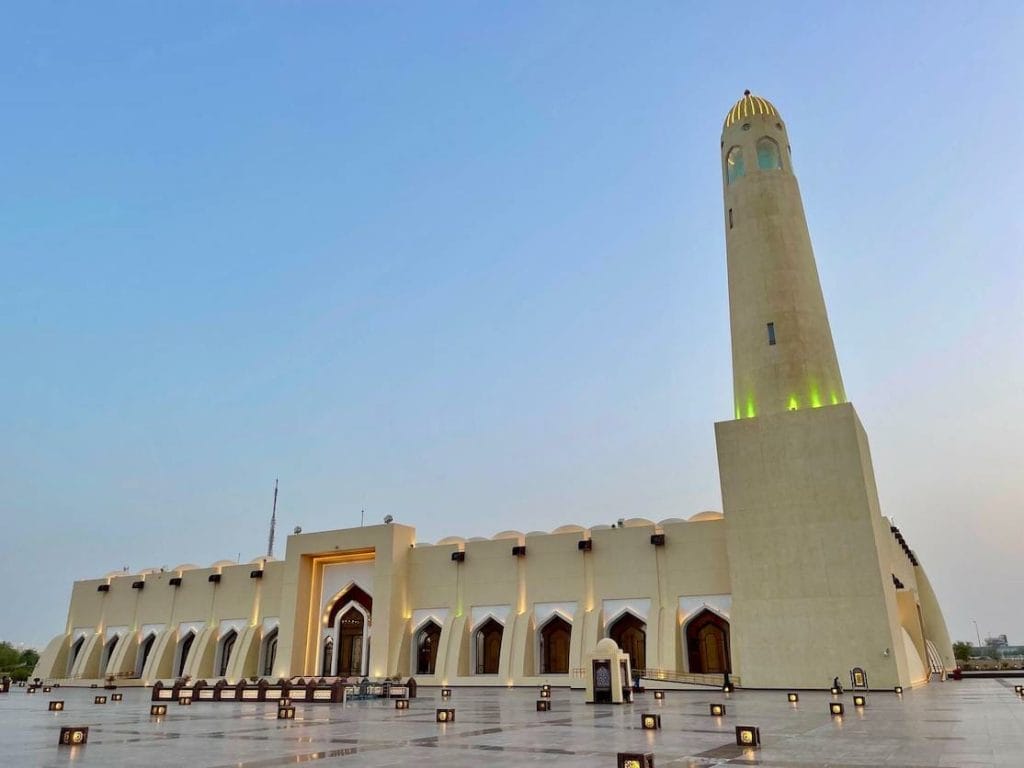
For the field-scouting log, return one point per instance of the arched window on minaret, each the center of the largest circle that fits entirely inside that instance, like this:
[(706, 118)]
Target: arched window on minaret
[(768, 156), (734, 167)]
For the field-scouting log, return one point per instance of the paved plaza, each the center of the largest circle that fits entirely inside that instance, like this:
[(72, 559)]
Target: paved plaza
[(968, 723)]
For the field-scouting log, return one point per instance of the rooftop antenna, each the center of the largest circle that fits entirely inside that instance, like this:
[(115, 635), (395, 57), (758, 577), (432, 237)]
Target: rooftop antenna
[(362, 517), (273, 523)]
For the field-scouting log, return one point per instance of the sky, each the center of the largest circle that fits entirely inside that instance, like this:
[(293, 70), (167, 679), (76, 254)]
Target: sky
[(464, 264)]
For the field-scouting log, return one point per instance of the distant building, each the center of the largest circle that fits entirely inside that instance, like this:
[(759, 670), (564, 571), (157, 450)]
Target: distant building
[(800, 580)]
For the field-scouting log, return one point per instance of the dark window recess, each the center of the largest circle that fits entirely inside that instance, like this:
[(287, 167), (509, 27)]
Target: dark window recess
[(730, 218), (519, 551), (458, 557), (175, 582), (584, 545), (771, 334)]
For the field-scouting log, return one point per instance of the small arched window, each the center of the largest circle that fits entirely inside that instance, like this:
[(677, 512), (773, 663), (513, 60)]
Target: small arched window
[(734, 167), (768, 157)]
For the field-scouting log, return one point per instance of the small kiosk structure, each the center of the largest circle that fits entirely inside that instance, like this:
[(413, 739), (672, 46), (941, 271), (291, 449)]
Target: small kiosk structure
[(608, 674)]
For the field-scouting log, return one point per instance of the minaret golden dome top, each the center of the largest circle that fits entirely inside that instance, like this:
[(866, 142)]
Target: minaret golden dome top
[(749, 106)]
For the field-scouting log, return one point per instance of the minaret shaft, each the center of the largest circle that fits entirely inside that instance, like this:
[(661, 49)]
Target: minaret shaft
[(782, 350)]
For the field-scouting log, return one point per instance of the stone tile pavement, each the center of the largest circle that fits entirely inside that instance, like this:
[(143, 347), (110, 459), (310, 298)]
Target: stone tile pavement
[(965, 724)]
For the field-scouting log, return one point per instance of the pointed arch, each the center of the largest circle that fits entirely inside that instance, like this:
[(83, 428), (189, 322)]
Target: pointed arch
[(327, 657), (76, 648), (142, 655), (553, 638), (182, 651), (108, 651), (735, 168), (268, 653), (707, 642), (222, 658), (629, 632), (487, 646), (348, 618), (768, 156), (426, 641)]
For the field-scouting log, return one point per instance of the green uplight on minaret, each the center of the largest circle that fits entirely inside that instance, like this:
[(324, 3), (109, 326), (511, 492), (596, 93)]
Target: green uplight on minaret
[(793, 403), (751, 412), (815, 397), (835, 398)]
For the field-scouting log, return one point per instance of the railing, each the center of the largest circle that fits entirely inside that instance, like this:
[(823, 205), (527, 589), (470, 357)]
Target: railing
[(714, 679)]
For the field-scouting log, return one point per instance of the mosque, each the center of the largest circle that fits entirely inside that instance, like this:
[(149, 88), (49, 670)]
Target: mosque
[(800, 578)]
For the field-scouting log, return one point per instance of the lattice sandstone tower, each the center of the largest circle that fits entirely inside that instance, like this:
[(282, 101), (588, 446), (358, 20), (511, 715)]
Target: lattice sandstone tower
[(816, 587)]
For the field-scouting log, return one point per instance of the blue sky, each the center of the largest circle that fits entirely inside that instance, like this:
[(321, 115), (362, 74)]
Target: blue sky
[(463, 263)]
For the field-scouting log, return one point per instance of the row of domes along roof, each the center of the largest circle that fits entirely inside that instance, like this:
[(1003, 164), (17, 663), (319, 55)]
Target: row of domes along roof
[(633, 522)]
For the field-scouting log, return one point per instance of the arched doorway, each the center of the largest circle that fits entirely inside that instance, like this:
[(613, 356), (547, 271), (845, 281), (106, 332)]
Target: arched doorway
[(630, 634), (707, 643), (108, 651), (76, 647), (488, 647), (327, 660), (554, 646), (427, 640), (268, 655), (143, 655), (349, 620), (226, 645), (350, 648), (182, 657)]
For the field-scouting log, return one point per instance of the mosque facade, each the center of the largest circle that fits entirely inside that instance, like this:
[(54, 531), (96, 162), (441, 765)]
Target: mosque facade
[(799, 579)]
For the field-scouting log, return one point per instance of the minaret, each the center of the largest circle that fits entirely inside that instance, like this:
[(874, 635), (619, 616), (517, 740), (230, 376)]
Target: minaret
[(783, 358), (816, 585)]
